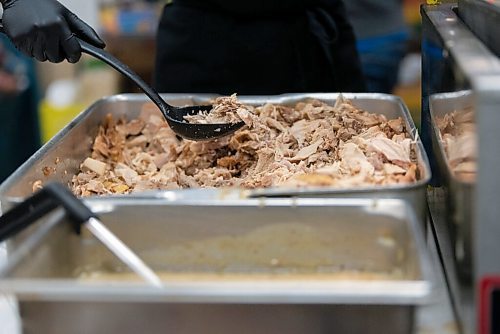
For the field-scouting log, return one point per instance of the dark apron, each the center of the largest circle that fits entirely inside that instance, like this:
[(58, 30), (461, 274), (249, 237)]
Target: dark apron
[(203, 50)]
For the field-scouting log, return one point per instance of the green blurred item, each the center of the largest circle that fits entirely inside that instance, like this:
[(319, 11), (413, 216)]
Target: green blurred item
[(19, 130)]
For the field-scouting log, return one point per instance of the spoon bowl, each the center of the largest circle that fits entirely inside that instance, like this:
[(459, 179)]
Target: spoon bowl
[(198, 132)]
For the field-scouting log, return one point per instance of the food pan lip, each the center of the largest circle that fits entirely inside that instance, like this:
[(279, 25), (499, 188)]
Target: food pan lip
[(255, 99), (437, 134), (389, 292), (394, 207), (292, 292)]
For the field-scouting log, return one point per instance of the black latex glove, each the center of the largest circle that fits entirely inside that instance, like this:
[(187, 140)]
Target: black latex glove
[(46, 30)]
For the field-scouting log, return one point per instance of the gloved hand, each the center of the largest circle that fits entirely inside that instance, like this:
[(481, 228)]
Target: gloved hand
[(46, 30)]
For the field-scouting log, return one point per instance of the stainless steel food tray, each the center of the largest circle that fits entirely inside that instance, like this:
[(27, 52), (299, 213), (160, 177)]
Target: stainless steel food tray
[(70, 147), (460, 194), (361, 235)]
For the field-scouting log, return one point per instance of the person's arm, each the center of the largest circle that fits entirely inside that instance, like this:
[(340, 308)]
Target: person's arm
[(46, 30)]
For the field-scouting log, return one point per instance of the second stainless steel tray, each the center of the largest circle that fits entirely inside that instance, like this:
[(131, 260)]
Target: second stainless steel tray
[(246, 268), (460, 194), (65, 152)]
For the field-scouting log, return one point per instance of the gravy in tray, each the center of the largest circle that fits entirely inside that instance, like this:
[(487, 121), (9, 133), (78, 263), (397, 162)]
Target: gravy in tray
[(288, 251)]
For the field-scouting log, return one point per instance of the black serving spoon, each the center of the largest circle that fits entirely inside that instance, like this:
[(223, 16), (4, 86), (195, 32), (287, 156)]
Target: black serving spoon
[(173, 115)]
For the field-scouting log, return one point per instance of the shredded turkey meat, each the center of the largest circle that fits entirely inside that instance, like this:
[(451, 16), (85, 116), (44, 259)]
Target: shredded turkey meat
[(226, 109), (309, 144), (458, 135)]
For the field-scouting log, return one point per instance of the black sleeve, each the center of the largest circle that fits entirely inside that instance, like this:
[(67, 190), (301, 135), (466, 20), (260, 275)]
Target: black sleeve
[(259, 7), (348, 70)]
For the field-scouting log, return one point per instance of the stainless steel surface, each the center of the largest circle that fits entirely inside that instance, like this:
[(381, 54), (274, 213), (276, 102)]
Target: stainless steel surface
[(459, 200), (456, 60), (132, 318), (439, 317), (124, 253), (460, 291), (73, 144), (482, 18), (366, 235)]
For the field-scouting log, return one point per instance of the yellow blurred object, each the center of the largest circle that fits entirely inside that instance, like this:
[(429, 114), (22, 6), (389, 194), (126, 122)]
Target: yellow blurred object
[(108, 16), (66, 98), (411, 95), (53, 119), (433, 2), (412, 12)]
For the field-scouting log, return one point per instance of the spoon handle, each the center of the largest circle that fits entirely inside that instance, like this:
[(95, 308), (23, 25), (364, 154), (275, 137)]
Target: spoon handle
[(126, 71), (123, 69)]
